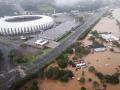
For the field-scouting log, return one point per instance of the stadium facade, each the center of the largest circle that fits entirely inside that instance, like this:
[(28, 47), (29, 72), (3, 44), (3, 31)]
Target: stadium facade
[(25, 24)]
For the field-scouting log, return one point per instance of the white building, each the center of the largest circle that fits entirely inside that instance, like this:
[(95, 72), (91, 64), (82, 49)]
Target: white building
[(19, 25), (109, 37), (41, 42)]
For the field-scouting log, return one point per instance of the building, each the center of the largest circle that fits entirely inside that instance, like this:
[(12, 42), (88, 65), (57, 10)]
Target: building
[(78, 64), (25, 24), (97, 47), (109, 37), (41, 42)]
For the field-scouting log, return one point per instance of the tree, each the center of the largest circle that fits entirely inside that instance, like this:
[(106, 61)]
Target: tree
[(58, 74), (34, 86), (89, 79), (92, 69), (62, 61), (81, 51), (92, 38), (100, 75), (69, 51), (95, 84), (82, 79), (112, 50), (83, 88), (1, 55), (83, 73), (95, 33), (112, 79), (116, 44)]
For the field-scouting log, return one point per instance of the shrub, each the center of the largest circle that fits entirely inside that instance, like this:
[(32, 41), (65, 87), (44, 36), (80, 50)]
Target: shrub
[(83, 88), (34, 86), (112, 79), (95, 84), (62, 61), (112, 50), (89, 79), (92, 69), (69, 50), (92, 38), (116, 44), (95, 33), (57, 74), (1, 55), (81, 51), (82, 79), (100, 75)]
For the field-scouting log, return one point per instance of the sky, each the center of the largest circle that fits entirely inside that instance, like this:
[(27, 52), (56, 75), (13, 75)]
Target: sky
[(70, 1), (61, 2)]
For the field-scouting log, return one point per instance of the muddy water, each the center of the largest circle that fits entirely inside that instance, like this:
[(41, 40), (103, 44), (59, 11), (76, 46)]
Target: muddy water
[(108, 25), (71, 85), (105, 62), (116, 14)]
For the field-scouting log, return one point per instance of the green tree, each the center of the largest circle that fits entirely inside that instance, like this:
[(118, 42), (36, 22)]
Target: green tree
[(69, 50), (83, 88), (1, 55), (34, 86), (95, 84), (82, 79), (92, 69), (95, 33), (62, 61), (92, 38), (100, 75), (112, 79)]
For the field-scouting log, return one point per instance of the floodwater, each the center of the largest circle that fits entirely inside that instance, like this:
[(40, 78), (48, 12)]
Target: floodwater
[(105, 62), (71, 85), (108, 24), (116, 14)]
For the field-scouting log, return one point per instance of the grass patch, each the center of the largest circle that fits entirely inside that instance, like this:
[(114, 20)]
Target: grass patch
[(30, 57), (46, 50)]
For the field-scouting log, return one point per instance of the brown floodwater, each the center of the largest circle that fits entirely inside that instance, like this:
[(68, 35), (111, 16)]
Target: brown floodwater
[(108, 24)]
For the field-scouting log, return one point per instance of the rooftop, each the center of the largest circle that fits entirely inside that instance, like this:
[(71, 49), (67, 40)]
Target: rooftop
[(22, 18)]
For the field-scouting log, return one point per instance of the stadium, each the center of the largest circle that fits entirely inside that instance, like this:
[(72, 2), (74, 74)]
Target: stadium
[(25, 24)]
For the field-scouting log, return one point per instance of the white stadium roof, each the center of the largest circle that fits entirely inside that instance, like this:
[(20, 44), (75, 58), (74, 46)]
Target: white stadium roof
[(19, 23)]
